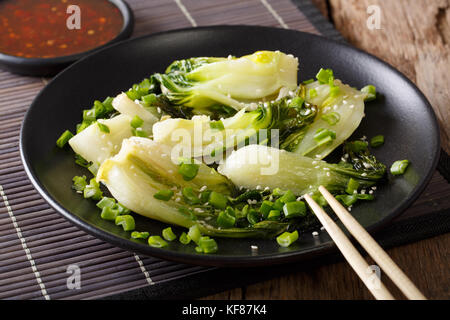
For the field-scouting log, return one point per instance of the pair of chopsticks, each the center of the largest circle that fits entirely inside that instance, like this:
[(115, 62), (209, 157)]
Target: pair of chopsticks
[(354, 258)]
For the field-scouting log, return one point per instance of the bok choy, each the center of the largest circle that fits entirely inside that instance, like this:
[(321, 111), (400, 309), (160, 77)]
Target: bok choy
[(143, 168), (205, 83), (263, 166)]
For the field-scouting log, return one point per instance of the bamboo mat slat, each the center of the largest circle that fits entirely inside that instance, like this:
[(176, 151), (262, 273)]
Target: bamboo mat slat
[(38, 244)]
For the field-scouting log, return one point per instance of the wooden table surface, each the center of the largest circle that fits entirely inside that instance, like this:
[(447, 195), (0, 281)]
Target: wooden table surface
[(414, 36)]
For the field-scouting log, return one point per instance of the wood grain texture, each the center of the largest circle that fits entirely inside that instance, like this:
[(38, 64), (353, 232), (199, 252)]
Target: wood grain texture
[(414, 37), (426, 263)]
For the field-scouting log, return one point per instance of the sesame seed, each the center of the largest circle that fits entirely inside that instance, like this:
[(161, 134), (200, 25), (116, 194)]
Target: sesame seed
[(315, 233)]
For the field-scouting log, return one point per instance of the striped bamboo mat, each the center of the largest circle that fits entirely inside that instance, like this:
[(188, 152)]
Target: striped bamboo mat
[(38, 246)]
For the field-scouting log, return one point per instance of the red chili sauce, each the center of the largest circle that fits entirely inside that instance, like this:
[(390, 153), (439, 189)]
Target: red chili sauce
[(38, 28)]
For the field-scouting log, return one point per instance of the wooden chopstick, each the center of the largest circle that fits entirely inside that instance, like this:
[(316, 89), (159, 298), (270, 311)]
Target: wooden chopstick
[(353, 257), (373, 248)]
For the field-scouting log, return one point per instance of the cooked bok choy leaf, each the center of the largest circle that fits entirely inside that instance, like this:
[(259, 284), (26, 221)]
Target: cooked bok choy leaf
[(125, 105), (340, 111), (263, 166), (143, 168), (203, 83), (96, 146), (201, 136)]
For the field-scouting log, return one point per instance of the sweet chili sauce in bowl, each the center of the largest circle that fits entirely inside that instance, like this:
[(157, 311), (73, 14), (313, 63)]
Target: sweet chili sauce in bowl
[(41, 37)]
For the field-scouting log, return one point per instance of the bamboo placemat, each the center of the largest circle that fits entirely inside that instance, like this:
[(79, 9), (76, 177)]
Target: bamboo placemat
[(38, 245)]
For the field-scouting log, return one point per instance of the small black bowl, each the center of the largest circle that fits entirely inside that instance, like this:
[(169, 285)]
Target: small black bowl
[(51, 66)]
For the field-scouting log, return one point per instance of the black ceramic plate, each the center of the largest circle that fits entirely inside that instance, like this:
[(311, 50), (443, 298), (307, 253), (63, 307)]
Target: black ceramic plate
[(401, 113)]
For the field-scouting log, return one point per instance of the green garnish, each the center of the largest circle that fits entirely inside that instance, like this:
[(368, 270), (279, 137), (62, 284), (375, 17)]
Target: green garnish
[(188, 169), (371, 92), (136, 122), (294, 209), (287, 238), (64, 138), (164, 195), (157, 242), (168, 234), (399, 167), (377, 141), (140, 235), (331, 118), (184, 238), (218, 200), (103, 128), (126, 221)]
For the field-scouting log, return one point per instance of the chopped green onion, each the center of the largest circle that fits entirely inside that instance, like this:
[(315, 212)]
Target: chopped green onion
[(139, 235), (253, 216), (208, 245), (399, 167), (312, 93), (79, 183), (308, 81), (184, 238), (204, 196), (108, 213), (164, 195), (79, 160), (83, 125), (194, 233), (122, 209), (157, 242), (297, 102), (217, 125), (190, 196), (126, 221), (287, 238), (324, 75), (225, 219), (347, 200), (334, 91), (278, 205), (358, 146), (92, 190), (294, 209), (138, 132), (133, 94), (136, 122), (331, 118), (93, 168), (89, 115), (288, 197), (168, 234), (99, 109), (149, 99), (218, 200), (188, 170), (277, 192), (64, 138), (274, 215), (352, 186), (320, 200), (377, 141), (368, 197), (106, 203), (108, 104), (371, 92), (266, 207), (323, 134)]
